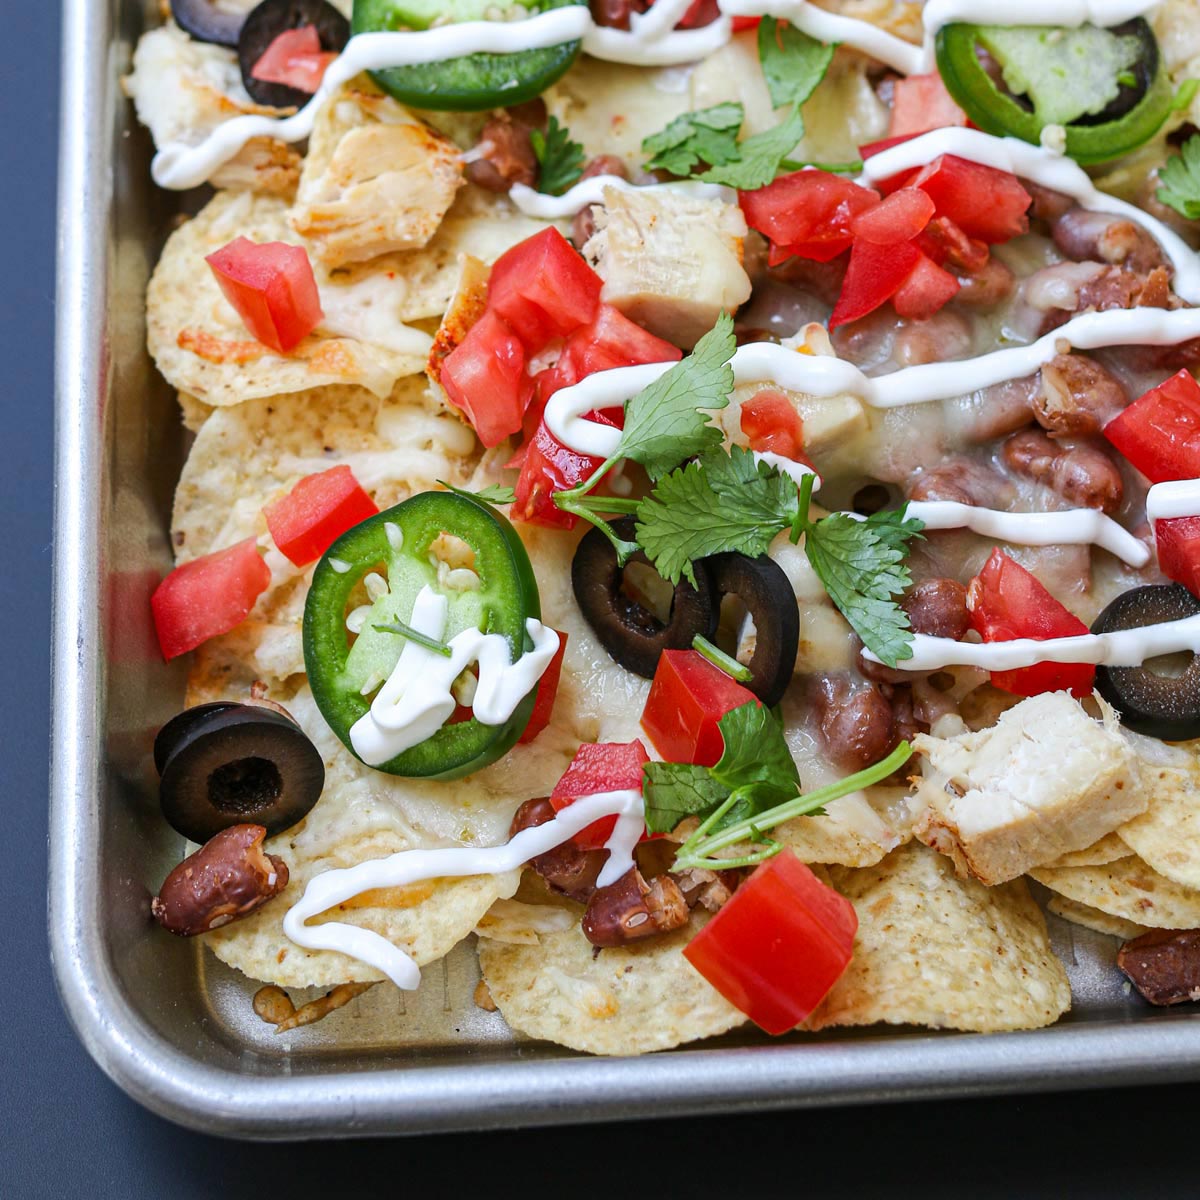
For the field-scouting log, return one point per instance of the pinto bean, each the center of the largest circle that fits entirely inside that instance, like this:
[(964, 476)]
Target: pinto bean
[(584, 224), (987, 286), (227, 878), (938, 607), (1076, 396), (1164, 965), (567, 869), (709, 889), (1003, 408), (615, 14), (963, 480), (632, 909), (1084, 476), (945, 335), (1096, 236), (1048, 205), (505, 155), (857, 725)]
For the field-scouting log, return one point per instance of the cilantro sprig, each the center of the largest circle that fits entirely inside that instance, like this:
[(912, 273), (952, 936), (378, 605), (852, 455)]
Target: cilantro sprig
[(1180, 180), (415, 635), (793, 65), (560, 160)]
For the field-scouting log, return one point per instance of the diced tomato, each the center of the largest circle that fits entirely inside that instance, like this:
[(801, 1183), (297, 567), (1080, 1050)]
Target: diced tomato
[(1006, 602), (944, 242), (1160, 432), (899, 218), (985, 203), (317, 511), (921, 103), (924, 291), (611, 340), (874, 276), (543, 289), (271, 284), (687, 699), (741, 24), (809, 212), (699, 14), (773, 426), (295, 58), (551, 467), (1178, 542), (208, 596), (599, 767), (778, 945), (543, 706), (484, 375)]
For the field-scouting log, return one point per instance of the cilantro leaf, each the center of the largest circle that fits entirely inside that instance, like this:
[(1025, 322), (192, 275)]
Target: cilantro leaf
[(560, 160), (674, 791), (708, 136), (861, 565), (793, 63), (760, 156), (1180, 180), (723, 502), (667, 421), (492, 494), (755, 771)]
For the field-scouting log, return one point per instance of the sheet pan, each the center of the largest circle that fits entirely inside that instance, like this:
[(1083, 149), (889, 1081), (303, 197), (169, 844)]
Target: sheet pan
[(171, 1025)]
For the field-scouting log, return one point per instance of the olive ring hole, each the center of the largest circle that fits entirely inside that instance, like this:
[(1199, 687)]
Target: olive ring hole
[(245, 785)]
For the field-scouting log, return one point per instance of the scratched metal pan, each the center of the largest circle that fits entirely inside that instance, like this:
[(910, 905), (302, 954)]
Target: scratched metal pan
[(172, 1026)]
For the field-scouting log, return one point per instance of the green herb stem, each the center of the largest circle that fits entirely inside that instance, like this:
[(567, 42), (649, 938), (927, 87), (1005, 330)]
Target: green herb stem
[(721, 660), (415, 635), (699, 849)]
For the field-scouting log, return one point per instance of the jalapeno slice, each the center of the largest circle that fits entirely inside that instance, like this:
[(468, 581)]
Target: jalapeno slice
[(474, 82), (398, 547), (1108, 88)]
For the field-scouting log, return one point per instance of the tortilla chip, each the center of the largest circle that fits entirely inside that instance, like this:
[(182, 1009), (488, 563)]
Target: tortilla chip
[(936, 950), (1110, 848), (1167, 834), (194, 412), (1127, 888), (1093, 918), (202, 346), (858, 830), (522, 924), (626, 1000)]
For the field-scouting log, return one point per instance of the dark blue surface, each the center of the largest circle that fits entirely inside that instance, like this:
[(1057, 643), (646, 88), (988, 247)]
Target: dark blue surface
[(66, 1131)]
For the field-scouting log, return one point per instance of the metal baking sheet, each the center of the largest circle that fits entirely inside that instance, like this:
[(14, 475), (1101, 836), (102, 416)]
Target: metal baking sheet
[(171, 1025)]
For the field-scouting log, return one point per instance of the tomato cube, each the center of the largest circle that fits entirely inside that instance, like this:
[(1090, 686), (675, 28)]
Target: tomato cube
[(1178, 542), (273, 288), (948, 246), (898, 218), (808, 212), (295, 59), (484, 375), (778, 946), (543, 289), (543, 706), (1006, 602), (549, 467), (924, 291), (985, 203), (611, 340), (687, 698), (599, 767), (772, 425), (1160, 432), (874, 276), (921, 103), (316, 512), (208, 596)]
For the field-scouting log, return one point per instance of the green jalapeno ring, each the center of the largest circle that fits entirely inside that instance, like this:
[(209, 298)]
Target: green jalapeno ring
[(475, 82), (994, 112), (507, 596)]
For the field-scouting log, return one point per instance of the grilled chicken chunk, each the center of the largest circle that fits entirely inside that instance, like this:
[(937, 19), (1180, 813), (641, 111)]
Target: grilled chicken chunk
[(669, 262), (375, 179), (1046, 779)]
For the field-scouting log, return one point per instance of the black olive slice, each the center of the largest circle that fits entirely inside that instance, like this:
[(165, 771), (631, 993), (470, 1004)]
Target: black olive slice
[(631, 634), (204, 21), (763, 587), (1160, 706), (265, 23), (228, 764)]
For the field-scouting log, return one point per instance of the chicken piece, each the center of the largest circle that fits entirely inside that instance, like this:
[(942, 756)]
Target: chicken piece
[(375, 179), (1045, 780), (669, 262), (183, 89)]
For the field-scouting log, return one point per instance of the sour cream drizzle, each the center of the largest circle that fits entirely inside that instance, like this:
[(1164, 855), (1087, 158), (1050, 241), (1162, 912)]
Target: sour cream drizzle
[(412, 866), (415, 700), (651, 40), (591, 191), (1179, 498)]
